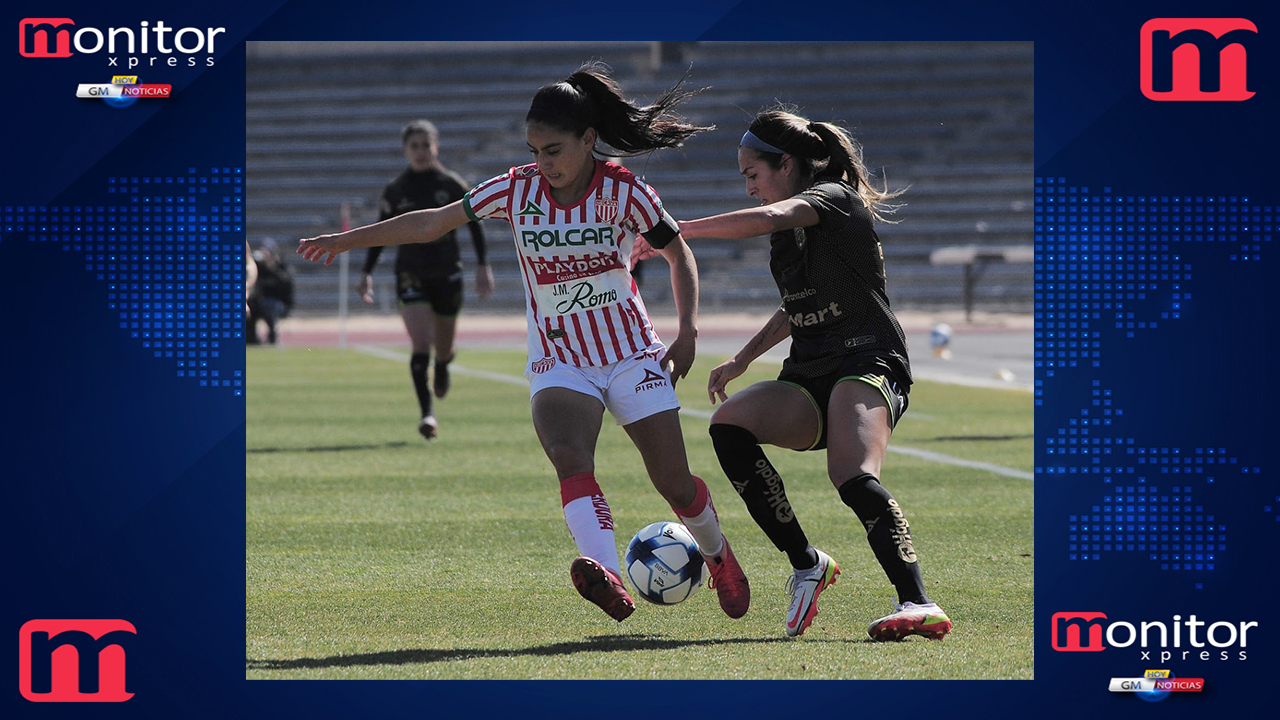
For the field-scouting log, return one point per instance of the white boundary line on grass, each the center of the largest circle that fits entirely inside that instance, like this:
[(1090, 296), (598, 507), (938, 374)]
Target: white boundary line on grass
[(515, 380), (923, 454)]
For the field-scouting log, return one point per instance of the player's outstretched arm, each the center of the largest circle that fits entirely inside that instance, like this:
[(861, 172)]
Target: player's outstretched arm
[(773, 332), (420, 226), (684, 287), (739, 225), (752, 222)]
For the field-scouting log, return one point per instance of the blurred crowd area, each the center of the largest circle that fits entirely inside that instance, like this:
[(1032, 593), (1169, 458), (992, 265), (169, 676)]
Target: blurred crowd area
[(954, 121)]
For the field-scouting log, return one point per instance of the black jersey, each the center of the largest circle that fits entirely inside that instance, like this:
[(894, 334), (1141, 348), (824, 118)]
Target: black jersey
[(832, 281), (432, 188)]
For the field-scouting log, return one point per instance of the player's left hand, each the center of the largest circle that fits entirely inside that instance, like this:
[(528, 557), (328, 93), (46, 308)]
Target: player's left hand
[(641, 250), (679, 357), (484, 281), (327, 247)]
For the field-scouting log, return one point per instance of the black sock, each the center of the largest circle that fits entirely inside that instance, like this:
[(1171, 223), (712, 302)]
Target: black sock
[(760, 487), (887, 533), (418, 369)]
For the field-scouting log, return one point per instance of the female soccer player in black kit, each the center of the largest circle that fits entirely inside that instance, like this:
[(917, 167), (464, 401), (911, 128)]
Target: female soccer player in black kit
[(845, 384), (428, 277)]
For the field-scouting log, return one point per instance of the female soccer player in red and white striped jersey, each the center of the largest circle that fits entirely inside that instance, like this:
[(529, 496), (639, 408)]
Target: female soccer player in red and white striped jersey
[(574, 219)]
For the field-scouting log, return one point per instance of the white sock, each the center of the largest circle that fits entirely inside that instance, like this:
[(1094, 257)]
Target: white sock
[(590, 521), (701, 521)]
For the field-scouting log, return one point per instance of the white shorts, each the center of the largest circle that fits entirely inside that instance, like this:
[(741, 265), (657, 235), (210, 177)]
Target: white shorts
[(632, 389)]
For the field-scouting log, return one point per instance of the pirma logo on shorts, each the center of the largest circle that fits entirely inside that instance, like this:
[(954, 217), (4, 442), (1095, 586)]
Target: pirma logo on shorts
[(651, 380)]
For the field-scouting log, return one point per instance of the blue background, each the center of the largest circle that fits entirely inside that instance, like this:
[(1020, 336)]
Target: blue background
[(126, 480)]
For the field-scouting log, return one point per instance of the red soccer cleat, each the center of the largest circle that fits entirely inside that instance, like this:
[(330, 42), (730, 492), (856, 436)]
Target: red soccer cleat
[(729, 582), (601, 586)]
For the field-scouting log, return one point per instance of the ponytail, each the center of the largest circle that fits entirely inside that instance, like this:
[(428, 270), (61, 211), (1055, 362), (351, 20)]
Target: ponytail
[(590, 98), (825, 152)]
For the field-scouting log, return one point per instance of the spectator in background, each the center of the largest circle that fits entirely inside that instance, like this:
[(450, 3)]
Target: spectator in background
[(271, 298), (250, 276)]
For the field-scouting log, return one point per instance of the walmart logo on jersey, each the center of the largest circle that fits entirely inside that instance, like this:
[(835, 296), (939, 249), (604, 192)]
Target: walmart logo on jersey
[(806, 319), (562, 236)]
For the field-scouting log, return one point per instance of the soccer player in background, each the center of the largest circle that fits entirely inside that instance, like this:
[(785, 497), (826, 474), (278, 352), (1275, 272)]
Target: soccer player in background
[(591, 344), (845, 384), (428, 277)]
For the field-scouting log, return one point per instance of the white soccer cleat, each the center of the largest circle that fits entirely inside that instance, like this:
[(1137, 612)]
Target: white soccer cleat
[(805, 586), (927, 620)]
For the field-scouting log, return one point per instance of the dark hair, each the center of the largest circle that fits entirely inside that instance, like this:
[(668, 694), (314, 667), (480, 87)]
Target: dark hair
[(419, 126), (589, 98), (825, 151)]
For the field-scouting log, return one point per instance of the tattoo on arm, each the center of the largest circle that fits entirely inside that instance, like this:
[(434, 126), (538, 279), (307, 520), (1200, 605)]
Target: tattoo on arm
[(767, 337)]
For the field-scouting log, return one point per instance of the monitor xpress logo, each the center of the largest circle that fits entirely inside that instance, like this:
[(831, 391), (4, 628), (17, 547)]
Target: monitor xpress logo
[(74, 660), (1188, 59), (143, 46), (1189, 639)]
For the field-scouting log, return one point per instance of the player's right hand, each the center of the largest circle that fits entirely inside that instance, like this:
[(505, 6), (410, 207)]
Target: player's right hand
[(720, 377), (364, 288), (327, 247)]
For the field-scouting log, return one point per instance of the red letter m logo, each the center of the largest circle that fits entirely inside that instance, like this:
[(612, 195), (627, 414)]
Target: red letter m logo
[(1197, 59), (1069, 632), (74, 660), (40, 37)]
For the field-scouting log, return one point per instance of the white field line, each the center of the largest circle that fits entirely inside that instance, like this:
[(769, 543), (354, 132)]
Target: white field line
[(987, 383), (516, 380), (923, 454), (945, 378)]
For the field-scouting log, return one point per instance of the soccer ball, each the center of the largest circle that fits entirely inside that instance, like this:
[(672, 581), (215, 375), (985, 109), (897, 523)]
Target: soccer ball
[(940, 336), (664, 563)]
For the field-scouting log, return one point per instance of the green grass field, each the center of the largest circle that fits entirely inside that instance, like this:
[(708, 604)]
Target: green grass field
[(371, 554)]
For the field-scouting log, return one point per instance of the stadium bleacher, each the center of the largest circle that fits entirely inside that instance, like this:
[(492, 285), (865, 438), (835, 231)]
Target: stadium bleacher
[(954, 121)]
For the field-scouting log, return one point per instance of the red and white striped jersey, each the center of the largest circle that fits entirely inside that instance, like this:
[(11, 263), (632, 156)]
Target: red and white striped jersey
[(582, 305)]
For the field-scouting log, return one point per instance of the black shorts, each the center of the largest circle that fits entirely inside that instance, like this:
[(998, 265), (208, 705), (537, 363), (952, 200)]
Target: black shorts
[(443, 294), (872, 370)]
